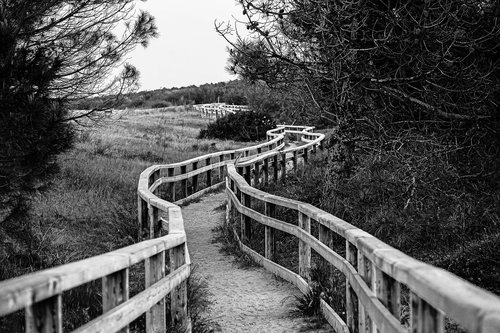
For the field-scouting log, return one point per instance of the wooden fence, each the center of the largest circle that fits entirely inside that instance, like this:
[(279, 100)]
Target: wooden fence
[(217, 110), (375, 273)]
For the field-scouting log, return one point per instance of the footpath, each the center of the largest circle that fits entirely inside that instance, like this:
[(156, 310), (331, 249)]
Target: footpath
[(243, 299)]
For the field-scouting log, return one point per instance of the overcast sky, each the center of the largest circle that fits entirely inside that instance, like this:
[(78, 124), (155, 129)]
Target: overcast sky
[(188, 50)]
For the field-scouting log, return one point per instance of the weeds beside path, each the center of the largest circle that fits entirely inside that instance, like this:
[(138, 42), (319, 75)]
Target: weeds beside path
[(243, 299)]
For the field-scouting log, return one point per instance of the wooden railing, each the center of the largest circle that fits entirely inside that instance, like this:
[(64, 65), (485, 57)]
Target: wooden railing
[(374, 271), (161, 229), (217, 110)]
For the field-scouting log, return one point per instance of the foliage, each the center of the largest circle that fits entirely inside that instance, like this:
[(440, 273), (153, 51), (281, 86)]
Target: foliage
[(451, 230), (326, 285), (240, 126)]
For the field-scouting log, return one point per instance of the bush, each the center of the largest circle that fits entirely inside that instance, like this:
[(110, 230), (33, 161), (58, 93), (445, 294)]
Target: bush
[(241, 126), (442, 223)]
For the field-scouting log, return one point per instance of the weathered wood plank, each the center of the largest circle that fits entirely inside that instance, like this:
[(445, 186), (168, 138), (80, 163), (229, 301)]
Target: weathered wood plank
[(365, 271), (142, 216), (208, 162), (195, 178), (45, 316), (184, 182), (304, 249), (351, 302), (115, 291), (178, 304), (155, 271), (170, 173), (424, 317), (270, 242)]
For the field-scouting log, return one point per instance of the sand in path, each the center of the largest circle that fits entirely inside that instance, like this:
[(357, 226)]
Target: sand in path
[(244, 300)]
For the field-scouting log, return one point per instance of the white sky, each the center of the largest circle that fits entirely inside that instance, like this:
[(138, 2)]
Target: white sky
[(188, 50)]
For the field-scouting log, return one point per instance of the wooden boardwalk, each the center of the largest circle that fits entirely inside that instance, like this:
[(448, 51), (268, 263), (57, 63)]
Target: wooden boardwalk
[(378, 277)]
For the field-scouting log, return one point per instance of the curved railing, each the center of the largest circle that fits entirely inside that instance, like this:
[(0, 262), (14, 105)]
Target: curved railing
[(162, 188), (374, 271)]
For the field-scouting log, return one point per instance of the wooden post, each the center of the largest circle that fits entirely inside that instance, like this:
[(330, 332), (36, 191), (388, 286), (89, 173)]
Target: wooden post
[(283, 166), (153, 177), (314, 148), (248, 174), (240, 199), (221, 168), (155, 271), (424, 317), (195, 178), (294, 161), (365, 270), (275, 168), (351, 303), (115, 291), (305, 156), (184, 182), (170, 173), (178, 297), (325, 236), (245, 220), (304, 249), (154, 225), (232, 156), (209, 172), (142, 215), (256, 176), (270, 243), (388, 291), (45, 316), (266, 171)]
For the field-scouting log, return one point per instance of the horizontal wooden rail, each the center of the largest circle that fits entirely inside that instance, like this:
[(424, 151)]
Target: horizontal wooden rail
[(374, 271)]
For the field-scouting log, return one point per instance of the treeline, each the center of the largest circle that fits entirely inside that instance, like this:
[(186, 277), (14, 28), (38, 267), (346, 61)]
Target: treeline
[(232, 92)]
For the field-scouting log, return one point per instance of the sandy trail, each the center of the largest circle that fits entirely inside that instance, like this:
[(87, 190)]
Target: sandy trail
[(244, 300)]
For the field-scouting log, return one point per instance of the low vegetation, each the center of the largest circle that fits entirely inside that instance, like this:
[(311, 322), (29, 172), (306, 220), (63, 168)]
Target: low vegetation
[(91, 206), (241, 126)]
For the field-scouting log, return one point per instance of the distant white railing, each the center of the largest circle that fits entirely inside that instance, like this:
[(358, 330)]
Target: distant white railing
[(217, 110)]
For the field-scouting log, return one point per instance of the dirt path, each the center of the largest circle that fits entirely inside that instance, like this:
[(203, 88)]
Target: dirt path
[(244, 300)]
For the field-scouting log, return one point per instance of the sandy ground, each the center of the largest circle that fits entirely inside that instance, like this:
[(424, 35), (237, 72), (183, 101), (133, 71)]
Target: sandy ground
[(244, 300)]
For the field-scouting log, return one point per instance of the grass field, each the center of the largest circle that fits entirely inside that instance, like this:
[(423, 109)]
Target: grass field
[(91, 207)]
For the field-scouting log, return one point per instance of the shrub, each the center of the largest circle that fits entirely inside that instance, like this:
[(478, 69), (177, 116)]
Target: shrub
[(241, 126)]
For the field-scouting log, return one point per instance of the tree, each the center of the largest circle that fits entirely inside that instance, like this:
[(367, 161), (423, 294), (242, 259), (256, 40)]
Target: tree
[(372, 67), (53, 52)]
